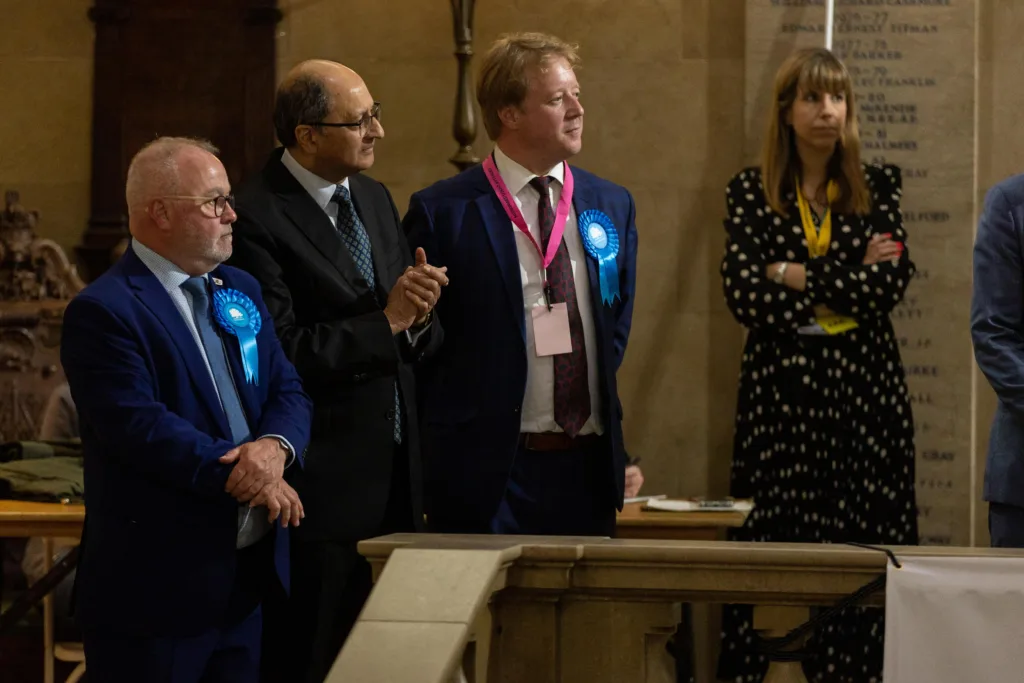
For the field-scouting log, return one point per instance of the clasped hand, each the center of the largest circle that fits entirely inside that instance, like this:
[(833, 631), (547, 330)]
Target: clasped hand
[(257, 479), (415, 294)]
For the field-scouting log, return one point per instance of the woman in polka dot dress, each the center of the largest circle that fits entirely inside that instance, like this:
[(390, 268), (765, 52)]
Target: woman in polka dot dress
[(824, 442)]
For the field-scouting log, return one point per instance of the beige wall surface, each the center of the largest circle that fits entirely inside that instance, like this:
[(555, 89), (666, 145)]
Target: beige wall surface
[(665, 85), (46, 58)]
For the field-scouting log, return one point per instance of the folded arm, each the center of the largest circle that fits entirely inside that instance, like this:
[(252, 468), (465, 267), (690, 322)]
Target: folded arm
[(875, 289), (754, 299)]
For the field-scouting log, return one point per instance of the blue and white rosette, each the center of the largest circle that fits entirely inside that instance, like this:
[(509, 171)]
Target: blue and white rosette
[(601, 241), (237, 315)]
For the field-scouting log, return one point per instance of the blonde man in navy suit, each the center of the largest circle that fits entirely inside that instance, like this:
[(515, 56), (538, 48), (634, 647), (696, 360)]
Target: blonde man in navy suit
[(522, 423)]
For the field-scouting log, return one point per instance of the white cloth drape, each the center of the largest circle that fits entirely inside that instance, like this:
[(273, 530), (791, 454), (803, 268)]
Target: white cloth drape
[(955, 620)]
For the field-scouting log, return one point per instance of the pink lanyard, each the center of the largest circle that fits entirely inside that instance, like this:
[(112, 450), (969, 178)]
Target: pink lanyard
[(516, 216)]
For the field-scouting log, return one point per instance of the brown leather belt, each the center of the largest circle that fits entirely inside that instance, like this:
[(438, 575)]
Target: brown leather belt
[(555, 441)]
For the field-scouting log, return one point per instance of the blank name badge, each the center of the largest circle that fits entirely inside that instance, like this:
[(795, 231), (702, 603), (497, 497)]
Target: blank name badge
[(551, 330)]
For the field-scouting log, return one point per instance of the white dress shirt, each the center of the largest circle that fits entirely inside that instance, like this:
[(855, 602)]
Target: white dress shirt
[(172, 278), (322, 191), (539, 403)]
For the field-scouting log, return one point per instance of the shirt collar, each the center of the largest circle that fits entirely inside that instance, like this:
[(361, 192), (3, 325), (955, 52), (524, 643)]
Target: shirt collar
[(170, 276), (322, 191), (517, 177)]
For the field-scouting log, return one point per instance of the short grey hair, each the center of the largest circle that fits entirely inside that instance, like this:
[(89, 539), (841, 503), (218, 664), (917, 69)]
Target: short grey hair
[(303, 100), (154, 168)]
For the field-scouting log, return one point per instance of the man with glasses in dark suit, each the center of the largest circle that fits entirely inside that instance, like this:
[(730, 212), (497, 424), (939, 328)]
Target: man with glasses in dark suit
[(189, 415), (354, 312)]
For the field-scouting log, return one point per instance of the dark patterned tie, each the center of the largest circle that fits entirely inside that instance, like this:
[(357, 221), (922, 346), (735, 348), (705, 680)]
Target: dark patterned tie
[(353, 234), (572, 394)]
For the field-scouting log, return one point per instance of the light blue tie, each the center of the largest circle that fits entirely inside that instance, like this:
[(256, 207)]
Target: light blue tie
[(252, 522), (353, 234)]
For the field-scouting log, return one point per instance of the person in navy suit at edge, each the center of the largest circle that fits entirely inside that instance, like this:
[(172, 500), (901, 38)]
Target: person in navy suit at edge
[(189, 413), (522, 424), (997, 330)]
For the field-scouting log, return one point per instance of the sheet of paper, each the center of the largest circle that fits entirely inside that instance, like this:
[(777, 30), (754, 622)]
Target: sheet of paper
[(643, 499), (683, 505)]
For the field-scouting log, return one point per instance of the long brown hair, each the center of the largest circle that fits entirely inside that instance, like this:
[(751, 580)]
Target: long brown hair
[(812, 70)]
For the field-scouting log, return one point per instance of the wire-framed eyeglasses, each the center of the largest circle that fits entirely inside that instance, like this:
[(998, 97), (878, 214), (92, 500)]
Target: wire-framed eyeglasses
[(363, 124), (219, 203)]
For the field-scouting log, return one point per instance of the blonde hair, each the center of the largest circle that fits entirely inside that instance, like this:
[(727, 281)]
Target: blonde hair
[(503, 80), (812, 70)]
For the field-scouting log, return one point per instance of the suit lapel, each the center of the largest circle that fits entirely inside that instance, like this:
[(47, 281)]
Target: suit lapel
[(503, 242), (582, 200), (153, 296), (246, 393), (310, 220)]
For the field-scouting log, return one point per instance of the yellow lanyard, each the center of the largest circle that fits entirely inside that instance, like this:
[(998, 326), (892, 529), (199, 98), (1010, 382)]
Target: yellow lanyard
[(817, 240)]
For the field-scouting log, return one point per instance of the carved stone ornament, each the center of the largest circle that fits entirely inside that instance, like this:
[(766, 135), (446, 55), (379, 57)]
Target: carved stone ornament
[(36, 282), (32, 268)]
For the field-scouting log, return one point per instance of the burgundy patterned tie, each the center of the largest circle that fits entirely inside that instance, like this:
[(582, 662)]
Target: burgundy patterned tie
[(572, 395)]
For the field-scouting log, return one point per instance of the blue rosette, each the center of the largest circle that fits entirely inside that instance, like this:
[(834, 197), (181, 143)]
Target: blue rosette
[(601, 241), (237, 315)]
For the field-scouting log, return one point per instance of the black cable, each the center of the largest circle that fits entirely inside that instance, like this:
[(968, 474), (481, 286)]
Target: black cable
[(775, 647), (37, 591), (888, 553)]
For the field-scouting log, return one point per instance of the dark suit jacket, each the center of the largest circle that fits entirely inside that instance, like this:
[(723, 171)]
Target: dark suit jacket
[(997, 329), (333, 328), (472, 391), (158, 552)]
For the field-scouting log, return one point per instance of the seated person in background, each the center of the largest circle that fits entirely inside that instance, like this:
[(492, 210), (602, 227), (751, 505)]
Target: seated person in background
[(189, 413), (60, 423), (60, 419)]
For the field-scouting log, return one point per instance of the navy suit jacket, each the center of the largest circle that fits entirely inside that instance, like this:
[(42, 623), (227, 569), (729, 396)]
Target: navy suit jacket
[(158, 550), (472, 391), (997, 329)]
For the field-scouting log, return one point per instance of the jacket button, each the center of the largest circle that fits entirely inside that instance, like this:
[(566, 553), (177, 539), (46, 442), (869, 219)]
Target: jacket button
[(516, 409), (390, 414)]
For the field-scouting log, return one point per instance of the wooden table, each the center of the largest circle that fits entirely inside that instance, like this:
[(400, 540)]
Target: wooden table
[(635, 522), (20, 519)]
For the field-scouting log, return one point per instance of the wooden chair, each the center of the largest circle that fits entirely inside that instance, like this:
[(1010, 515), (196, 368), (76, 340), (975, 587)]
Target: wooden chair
[(64, 652)]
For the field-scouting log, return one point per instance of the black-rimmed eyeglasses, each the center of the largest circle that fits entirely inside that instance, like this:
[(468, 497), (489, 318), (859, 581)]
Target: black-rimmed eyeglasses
[(219, 203)]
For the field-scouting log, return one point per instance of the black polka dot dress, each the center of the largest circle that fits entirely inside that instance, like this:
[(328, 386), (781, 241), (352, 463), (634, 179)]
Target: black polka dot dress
[(824, 438)]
